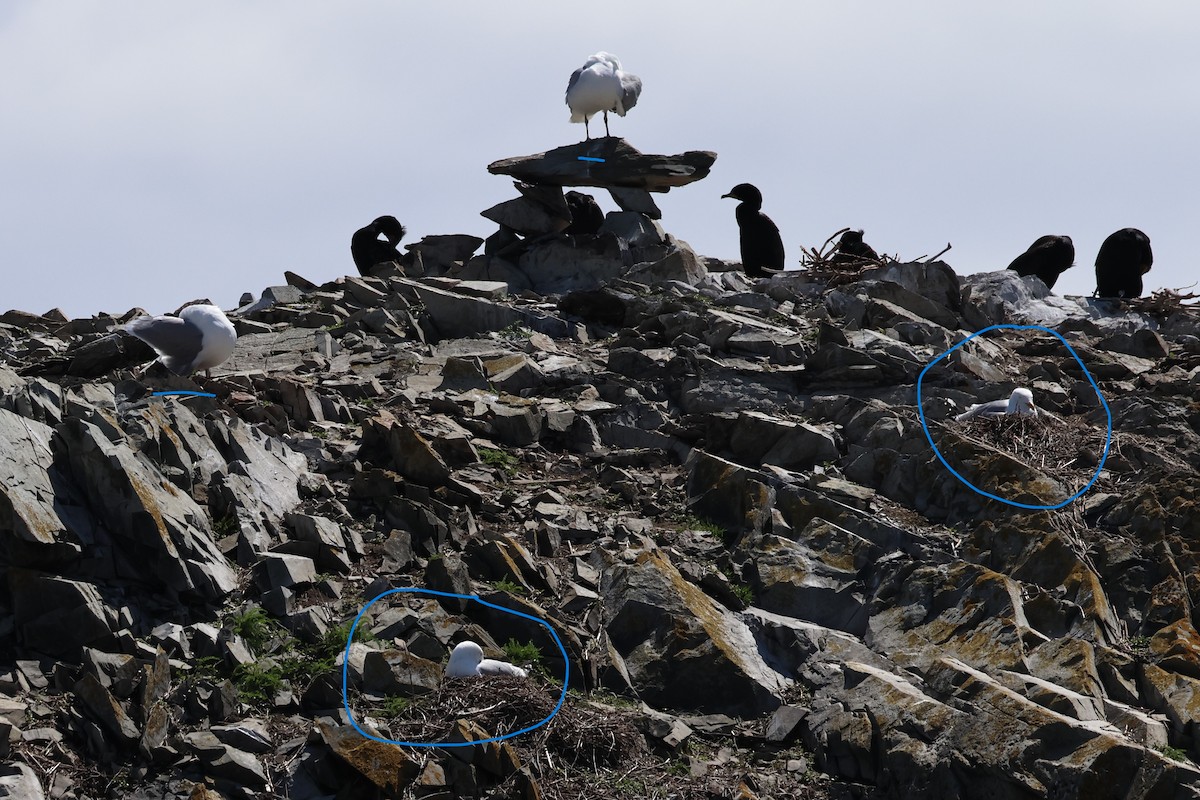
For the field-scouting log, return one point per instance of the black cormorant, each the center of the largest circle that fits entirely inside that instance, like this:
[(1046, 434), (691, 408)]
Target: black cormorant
[(762, 246), (852, 249), (1123, 259), (586, 216), (1048, 257), (368, 250)]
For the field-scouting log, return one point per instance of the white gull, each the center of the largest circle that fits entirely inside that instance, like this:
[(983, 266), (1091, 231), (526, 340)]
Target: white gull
[(600, 85), (467, 660), (200, 338), (1020, 402)]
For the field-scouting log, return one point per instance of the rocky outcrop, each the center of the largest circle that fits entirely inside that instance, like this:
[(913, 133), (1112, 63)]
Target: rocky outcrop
[(719, 497)]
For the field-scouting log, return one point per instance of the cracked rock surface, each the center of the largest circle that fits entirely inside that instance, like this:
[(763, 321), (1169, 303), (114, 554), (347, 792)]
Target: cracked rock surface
[(717, 495)]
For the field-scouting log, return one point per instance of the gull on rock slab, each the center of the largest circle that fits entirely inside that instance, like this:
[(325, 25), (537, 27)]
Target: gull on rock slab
[(467, 660), (200, 338), (601, 86), (1020, 402)]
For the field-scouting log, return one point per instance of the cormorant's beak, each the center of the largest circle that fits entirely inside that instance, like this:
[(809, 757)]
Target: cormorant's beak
[(728, 195)]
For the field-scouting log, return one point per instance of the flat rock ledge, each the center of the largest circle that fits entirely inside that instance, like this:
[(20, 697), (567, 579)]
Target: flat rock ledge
[(623, 166)]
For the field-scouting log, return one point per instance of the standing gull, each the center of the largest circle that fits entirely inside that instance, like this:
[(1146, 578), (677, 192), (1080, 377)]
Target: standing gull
[(600, 85), (1020, 402), (366, 247), (762, 246), (467, 660), (200, 338)]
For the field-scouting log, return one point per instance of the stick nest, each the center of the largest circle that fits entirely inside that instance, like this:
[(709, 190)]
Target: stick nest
[(501, 704), (1164, 302), (818, 262), (1067, 449)]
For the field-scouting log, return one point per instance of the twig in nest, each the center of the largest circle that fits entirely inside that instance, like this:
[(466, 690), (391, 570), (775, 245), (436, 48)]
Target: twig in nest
[(1163, 301), (940, 253)]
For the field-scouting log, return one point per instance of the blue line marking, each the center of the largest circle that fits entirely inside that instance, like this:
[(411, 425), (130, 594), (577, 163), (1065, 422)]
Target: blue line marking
[(346, 671), (589, 158), (1088, 375), (182, 391)]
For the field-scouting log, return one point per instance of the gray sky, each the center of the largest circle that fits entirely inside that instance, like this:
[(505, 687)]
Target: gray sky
[(151, 153)]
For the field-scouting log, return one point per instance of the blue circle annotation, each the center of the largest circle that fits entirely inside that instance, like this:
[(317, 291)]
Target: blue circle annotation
[(346, 669), (1088, 375), (184, 392), (589, 158)]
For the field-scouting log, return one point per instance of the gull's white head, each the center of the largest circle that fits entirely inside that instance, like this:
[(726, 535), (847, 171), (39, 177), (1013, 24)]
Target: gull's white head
[(1021, 402), (607, 58), (464, 661)]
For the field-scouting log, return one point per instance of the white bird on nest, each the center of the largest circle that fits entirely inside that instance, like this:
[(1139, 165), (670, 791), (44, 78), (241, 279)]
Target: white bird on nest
[(1019, 402), (600, 85), (467, 660)]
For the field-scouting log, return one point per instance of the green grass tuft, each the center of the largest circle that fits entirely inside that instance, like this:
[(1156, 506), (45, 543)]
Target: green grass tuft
[(518, 653), (694, 523), (257, 684), (498, 459), (507, 585), (256, 628), (743, 593)]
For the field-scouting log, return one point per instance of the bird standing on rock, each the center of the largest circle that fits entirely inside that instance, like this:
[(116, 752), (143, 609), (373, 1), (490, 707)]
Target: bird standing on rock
[(200, 338), (1124, 257), (467, 660), (586, 215), (366, 247), (762, 246), (600, 85), (1048, 257)]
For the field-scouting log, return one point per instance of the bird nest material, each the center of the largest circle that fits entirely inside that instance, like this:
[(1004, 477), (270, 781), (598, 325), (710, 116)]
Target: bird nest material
[(501, 704), (1164, 302), (1067, 448), (819, 264)]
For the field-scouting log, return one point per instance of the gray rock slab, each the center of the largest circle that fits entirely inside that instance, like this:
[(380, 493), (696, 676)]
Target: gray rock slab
[(455, 315), (158, 526), (19, 782), (27, 485), (623, 166), (684, 651)]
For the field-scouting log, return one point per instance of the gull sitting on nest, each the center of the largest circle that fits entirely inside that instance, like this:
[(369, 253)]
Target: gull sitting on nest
[(467, 660), (1020, 402)]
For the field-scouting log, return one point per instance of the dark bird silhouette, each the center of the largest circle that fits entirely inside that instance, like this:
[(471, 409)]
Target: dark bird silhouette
[(1124, 257), (852, 249), (762, 246), (1048, 257), (586, 216), (367, 248)]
